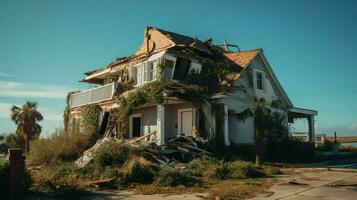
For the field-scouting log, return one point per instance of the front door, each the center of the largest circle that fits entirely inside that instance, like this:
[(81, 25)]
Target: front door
[(185, 121), (136, 126)]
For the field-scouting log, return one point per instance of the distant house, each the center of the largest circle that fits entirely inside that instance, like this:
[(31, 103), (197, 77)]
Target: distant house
[(171, 56)]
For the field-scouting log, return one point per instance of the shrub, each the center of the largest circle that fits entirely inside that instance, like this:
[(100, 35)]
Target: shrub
[(63, 178), (139, 170), (4, 179), (13, 140), (203, 163), (173, 177), (234, 170), (60, 146), (221, 171), (243, 169), (271, 170), (112, 153)]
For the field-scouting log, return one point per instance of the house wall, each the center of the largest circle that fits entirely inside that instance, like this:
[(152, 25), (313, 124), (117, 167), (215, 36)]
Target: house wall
[(243, 98), (171, 118), (240, 132), (149, 117), (148, 120)]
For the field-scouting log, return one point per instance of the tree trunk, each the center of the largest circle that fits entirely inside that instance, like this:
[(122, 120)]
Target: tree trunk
[(27, 145), (257, 155)]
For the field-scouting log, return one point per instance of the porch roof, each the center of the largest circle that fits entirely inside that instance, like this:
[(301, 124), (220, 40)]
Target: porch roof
[(301, 113)]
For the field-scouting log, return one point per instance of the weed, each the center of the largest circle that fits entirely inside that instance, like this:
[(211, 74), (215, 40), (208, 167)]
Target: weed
[(173, 177)]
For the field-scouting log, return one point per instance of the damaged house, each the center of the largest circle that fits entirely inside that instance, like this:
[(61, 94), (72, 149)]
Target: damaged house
[(179, 85)]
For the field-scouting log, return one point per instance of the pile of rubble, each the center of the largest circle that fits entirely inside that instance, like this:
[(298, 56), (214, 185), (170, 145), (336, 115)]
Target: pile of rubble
[(180, 149)]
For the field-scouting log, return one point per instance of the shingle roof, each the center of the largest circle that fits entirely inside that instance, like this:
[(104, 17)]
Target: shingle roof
[(242, 58)]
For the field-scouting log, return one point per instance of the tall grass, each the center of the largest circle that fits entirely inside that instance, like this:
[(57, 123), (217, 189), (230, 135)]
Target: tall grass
[(61, 146)]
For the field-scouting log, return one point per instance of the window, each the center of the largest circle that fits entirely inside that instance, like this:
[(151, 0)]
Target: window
[(169, 66), (195, 67), (138, 74), (259, 80), (152, 70), (181, 68)]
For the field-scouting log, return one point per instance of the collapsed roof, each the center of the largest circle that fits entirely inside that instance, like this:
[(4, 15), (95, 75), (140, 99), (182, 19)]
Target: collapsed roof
[(157, 40)]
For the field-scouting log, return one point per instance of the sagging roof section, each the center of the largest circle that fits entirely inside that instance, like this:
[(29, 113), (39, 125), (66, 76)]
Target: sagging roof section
[(157, 40)]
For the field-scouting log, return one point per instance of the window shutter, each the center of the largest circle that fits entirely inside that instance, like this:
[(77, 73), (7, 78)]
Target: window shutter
[(132, 74)]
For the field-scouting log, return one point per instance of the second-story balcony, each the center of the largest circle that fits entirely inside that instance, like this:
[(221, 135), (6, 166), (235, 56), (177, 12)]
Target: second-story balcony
[(95, 95)]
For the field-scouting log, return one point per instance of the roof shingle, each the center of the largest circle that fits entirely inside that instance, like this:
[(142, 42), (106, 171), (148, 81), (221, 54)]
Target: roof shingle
[(242, 58)]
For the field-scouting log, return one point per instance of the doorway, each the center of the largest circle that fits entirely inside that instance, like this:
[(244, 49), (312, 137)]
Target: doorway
[(185, 121), (135, 125)]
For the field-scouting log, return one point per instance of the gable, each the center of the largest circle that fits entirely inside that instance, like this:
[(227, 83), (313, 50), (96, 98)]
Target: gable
[(153, 42), (272, 87)]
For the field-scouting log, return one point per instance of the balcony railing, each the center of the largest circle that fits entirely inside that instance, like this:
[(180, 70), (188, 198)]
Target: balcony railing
[(95, 95)]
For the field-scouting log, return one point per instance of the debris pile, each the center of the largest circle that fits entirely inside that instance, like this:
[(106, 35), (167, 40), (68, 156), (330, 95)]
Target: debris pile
[(180, 149)]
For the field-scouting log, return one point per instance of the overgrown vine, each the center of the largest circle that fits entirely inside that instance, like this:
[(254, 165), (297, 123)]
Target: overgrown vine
[(90, 119)]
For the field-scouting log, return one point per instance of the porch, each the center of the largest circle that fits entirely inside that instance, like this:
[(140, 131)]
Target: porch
[(309, 116), (174, 117)]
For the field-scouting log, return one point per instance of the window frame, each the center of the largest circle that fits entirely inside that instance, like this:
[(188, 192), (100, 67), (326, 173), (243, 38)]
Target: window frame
[(255, 79)]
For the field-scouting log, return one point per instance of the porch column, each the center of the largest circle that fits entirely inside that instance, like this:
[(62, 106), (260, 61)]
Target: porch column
[(226, 136), (160, 134), (311, 122)]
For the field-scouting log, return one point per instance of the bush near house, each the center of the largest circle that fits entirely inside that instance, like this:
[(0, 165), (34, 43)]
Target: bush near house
[(290, 151), (61, 146)]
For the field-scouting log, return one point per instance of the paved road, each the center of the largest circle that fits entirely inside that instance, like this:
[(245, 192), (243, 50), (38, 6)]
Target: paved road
[(314, 184)]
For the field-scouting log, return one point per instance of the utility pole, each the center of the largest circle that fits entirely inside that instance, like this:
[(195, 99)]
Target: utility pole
[(335, 137)]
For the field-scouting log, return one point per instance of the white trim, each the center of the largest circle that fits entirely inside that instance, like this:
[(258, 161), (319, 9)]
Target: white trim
[(226, 127), (179, 123), (303, 111), (255, 72), (97, 74), (173, 59), (131, 123), (156, 56), (160, 122), (276, 81)]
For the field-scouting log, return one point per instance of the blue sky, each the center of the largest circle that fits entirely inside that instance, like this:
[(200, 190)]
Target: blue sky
[(45, 46)]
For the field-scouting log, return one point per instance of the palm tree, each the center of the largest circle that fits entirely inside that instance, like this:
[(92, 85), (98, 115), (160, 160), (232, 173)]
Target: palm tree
[(26, 119)]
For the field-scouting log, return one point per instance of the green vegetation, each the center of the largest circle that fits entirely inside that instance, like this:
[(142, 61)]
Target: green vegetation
[(154, 92), (60, 146), (12, 140), (121, 166), (26, 119), (90, 120), (172, 177), (113, 153)]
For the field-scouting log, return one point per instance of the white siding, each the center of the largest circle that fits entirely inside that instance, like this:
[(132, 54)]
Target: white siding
[(241, 132), (148, 119)]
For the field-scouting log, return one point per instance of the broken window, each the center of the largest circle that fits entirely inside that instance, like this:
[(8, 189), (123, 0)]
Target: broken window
[(195, 67), (152, 70), (169, 66), (181, 68)]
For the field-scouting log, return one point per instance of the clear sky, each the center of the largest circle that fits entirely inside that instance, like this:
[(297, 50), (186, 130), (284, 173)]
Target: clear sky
[(45, 46)]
